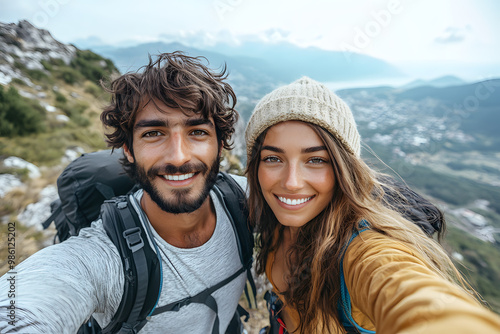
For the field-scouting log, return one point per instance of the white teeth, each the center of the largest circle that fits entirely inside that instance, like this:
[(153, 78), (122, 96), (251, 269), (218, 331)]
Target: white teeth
[(178, 177), (294, 201)]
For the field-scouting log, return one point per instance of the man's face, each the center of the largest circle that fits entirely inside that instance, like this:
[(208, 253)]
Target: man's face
[(176, 157)]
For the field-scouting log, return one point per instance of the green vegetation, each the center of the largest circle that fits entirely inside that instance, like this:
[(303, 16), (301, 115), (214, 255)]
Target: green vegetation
[(480, 264), (45, 140), (19, 116), (21, 173), (86, 65), (452, 189), (29, 132), (48, 148), (93, 89), (74, 110), (92, 66)]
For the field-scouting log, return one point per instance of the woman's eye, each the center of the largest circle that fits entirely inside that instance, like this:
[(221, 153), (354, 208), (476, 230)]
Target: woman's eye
[(152, 134), (271, 159), (317, 160)]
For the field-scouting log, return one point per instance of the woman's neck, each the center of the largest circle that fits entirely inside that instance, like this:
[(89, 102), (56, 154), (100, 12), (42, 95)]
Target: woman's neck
[(291, 234)]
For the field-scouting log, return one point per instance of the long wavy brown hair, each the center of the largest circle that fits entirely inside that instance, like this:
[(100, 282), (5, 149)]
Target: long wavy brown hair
[(314, 259), (178, 81)]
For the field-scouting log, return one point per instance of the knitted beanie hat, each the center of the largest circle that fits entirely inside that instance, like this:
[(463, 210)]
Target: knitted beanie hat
[(309, 101)]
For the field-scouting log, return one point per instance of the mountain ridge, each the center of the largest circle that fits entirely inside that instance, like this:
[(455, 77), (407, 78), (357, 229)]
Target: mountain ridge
[(282, 61)]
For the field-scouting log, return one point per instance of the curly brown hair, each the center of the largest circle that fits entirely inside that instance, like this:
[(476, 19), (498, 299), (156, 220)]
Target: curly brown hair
[(177, 80)]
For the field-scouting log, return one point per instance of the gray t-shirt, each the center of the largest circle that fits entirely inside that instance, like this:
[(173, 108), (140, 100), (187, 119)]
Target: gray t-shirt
[(61, 286)]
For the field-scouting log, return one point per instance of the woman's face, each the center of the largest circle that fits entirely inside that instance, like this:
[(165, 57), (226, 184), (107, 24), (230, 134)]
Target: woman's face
[(295, 173)]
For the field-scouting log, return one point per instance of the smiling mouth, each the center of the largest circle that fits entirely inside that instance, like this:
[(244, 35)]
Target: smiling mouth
[(178, 177), (289, 201)]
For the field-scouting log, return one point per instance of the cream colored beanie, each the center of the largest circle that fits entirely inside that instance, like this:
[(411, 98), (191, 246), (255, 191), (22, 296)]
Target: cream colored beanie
[(309, 101)]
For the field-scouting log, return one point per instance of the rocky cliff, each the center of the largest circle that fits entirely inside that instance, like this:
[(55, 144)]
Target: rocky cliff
[(23, 45)]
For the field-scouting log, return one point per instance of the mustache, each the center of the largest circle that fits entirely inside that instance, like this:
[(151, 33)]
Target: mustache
[(183, 169)]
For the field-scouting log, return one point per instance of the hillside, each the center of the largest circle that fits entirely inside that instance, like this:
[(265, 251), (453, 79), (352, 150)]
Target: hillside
[(60, 83)]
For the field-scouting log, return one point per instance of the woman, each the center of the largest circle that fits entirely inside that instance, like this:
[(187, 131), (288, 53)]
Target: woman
[(339, 255)]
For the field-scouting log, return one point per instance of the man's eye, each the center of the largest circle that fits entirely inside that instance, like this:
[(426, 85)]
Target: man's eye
[(199, 133), (152, 134)]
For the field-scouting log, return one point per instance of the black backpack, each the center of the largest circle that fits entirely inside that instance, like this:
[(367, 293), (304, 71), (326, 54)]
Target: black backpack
[(95, 185)]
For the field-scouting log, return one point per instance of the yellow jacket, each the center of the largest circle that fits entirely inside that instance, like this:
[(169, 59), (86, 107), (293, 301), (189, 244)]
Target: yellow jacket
[(393, 291)]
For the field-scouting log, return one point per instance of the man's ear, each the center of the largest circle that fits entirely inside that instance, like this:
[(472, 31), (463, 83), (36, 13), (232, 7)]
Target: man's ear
[(128, 154)]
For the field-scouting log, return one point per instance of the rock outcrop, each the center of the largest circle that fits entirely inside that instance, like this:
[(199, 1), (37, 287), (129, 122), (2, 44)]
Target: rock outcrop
[(24, 45)]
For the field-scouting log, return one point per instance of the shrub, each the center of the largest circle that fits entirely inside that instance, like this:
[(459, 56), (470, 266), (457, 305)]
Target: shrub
[(19, 116), (69, 75), (93, 89), (60, 97), (37, 75)]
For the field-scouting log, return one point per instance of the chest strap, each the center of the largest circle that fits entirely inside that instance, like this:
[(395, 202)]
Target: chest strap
[(204, 297)]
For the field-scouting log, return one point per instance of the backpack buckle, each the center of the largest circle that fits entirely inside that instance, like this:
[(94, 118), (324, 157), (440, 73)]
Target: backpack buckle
[(181, 303), (133, 238)]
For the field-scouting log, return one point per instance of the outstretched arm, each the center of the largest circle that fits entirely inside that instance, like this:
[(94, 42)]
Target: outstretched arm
[(59, 287), (400, 294)]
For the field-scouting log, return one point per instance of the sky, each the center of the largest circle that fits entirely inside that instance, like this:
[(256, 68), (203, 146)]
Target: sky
[(443, 33)]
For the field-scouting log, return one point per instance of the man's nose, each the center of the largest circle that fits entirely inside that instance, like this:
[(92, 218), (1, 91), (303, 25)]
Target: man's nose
[(177, 151)]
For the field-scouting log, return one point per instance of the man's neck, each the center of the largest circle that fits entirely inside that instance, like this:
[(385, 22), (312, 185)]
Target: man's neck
[(184, 230)]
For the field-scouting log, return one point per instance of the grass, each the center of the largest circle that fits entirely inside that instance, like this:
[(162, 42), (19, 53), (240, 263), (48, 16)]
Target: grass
[(480, 264), (47, 149)]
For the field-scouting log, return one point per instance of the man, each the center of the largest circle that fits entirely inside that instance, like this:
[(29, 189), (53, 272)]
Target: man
[(172, 120)]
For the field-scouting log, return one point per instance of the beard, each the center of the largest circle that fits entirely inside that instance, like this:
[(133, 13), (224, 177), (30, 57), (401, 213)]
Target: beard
[(181, 200)]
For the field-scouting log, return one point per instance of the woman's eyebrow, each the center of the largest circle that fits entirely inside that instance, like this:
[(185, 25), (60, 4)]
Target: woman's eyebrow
[(304, 150), (313, 149), (273, 149)]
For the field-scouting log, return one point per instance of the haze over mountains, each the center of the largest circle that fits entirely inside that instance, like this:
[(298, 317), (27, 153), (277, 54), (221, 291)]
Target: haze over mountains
[(263, 63)]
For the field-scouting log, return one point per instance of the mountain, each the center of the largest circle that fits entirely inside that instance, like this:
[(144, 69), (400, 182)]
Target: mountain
[(257, 61), (322, 65), (476, 106), (473, 108), (29, 53), (444, 81)]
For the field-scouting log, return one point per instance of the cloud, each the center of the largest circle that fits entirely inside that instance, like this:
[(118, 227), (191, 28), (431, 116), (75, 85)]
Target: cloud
[(199, 38), (452, 35)]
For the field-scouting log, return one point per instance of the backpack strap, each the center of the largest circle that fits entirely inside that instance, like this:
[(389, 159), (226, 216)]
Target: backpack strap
[(344, 305), (141, 265), (204, 297), (234, 201)]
